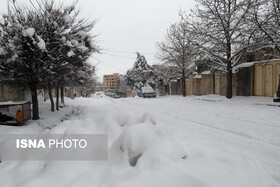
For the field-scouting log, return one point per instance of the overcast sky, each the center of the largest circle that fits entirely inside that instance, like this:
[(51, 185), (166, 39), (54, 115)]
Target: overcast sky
[(125, 27)]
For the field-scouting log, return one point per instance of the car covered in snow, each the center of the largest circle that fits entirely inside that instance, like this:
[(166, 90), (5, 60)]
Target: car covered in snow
[(148, 92)]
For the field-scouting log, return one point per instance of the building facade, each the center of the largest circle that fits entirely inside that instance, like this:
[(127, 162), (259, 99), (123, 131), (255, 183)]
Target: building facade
[(111, 81)]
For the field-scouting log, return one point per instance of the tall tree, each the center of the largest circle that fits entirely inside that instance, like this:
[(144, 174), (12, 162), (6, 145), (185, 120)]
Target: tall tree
[(45, 46), (22, 51), (69, 44), (177, 50), (220, 29), (140, 74)]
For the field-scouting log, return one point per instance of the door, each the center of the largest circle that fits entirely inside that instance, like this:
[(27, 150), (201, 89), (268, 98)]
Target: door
[(268, 80), (258, 91), (217, 84), (189, 86)]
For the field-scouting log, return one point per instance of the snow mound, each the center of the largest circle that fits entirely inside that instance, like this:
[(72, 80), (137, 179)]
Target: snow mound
[(145, 145), (147, 117), (133, 143)]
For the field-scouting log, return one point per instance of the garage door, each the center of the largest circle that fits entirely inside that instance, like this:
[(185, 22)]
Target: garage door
[(189, 86), (268, 81), (217, 84), (258, 80)]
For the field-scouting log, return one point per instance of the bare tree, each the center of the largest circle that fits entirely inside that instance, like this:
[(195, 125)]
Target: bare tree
[(177, 50), (220, 29), (166, 73)]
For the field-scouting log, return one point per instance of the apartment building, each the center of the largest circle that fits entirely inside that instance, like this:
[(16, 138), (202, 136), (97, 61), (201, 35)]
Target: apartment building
[(111, 81)]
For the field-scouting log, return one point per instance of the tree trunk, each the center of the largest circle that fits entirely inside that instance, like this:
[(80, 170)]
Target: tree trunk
[(214, 82), (184, 87), (35, 105), (51, 97), (62, 95), (229, 81), (229, 71), (57, 97)]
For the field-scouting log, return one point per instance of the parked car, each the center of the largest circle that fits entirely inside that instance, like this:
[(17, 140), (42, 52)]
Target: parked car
[(148, 92), (98, 94), (140, 94), (116, 96)]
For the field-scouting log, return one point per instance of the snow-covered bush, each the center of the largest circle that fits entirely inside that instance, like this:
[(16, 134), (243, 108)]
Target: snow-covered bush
[(145, 144)]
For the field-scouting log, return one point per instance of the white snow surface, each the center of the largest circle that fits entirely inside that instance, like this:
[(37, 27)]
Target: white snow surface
[(197, 76), (171, 141), (206, 73)]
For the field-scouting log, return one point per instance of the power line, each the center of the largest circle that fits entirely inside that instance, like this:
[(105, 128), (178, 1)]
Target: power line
[(128, 52), (108, 64), (124, 56)]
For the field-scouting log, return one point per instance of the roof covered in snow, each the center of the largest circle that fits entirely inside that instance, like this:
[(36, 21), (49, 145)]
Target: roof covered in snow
[(13, 103)]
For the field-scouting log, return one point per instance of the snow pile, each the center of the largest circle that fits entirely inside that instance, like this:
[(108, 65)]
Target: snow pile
[(134, 142), (145, 145)]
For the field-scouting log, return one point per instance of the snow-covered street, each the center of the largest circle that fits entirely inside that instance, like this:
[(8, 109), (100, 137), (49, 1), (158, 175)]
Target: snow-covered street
[(166, 141)]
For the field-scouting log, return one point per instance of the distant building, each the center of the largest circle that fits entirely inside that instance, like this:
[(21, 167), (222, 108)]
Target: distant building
[(111, 81)]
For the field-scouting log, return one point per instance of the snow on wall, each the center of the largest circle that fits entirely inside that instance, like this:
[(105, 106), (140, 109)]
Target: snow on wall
[(243, 65), (206, 73), (197, 76)]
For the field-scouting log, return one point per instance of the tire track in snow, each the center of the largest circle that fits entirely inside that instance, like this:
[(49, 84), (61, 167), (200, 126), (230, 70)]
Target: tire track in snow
[(246, 136)]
